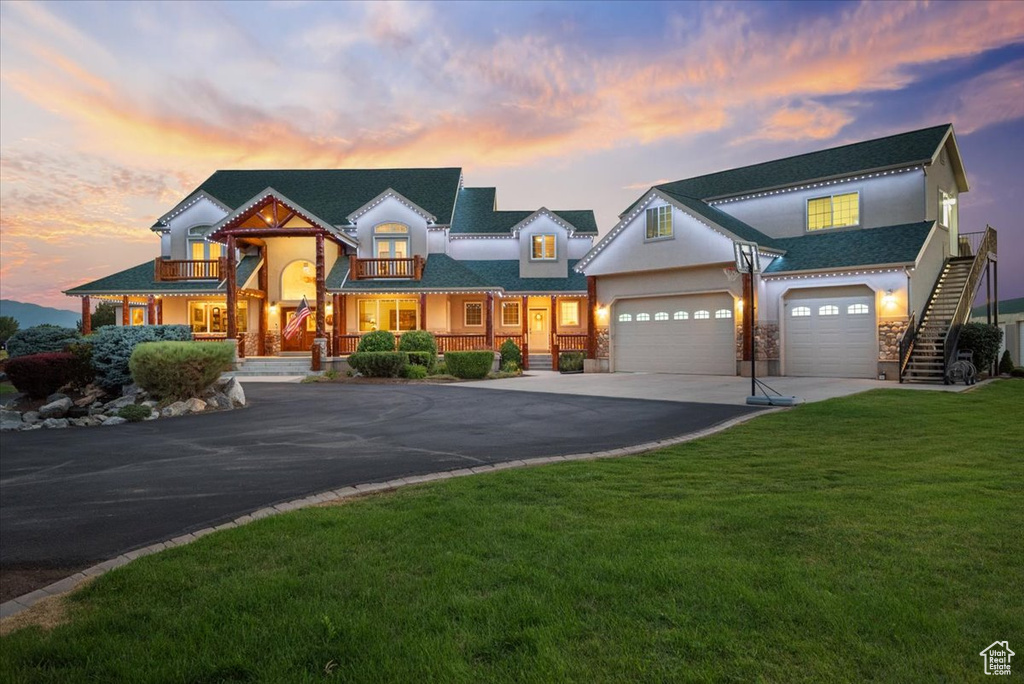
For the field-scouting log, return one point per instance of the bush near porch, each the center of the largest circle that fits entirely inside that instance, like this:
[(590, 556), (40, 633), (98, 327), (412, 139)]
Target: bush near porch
[(421, 347), (113, 346), (826, 543), (377, 341), (469, 365), (379, 364), (179, 370)]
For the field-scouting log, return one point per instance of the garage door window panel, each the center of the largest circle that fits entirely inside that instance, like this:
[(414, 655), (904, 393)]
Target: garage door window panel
[(661, 316), (625, 318), (723, 313), (857, 309), (701, 315), (643, 317), (681, 316), (801, 311), (828, 310)]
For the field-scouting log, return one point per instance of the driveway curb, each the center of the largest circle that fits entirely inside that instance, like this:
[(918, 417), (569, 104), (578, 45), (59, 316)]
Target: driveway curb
[(68, 584)]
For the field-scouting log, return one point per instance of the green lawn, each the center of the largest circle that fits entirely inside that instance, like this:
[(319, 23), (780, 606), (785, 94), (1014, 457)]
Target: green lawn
[(876, 537)]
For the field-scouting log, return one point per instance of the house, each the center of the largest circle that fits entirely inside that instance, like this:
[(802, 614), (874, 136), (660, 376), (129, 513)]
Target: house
[(1009, 316), (381, 249), (864, 269)]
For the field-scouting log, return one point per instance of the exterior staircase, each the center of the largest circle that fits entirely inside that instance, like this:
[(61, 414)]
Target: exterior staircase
[(540, 362), (271, 365)]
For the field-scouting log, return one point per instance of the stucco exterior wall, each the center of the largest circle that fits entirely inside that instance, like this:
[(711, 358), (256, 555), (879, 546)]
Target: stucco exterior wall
[(483, 249), (675, 281), (391, 210), (283, 251), (886, 306), (556, 268), (202, 213), (940, 177), (923, 277)]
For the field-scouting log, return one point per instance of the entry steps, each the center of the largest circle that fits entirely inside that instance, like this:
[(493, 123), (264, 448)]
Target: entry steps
[(272, 365)]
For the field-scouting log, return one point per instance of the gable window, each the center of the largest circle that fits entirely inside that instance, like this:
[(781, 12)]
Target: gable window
[(855, 309), (801, 311), (681, 316), (474, 314), (834, 211), (701, 315), (723, 313), (659, 223), (510, 314), (543, 248), (201, 250), (946, 206), (643, 317), (396, 315), (570, 313), (391, 241), (828, 310), (661, 316), (625, 318)]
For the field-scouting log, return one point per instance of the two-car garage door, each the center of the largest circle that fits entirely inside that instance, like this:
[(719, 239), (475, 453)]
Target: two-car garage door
[(679, 334), (829, 336)]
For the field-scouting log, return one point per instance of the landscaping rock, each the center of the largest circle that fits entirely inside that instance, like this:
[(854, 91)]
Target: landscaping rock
[(11, 420), (95, 410), (233, 391), (118, 404), (130, 390), (55, 423), (219, 400), (174, 410), (152, 416), (56, 409), (114, 420), (195, 405), (32, 417), (149, 403), (56, 396), (77, 412)]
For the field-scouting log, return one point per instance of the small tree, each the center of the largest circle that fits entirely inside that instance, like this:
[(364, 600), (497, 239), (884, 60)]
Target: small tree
[(1006, 363), (103, 315), (983, 340), (8, 326)]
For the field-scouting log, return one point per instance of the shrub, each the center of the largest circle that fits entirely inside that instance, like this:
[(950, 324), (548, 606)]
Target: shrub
[(82, 371), (382, 364), (134, 413), (415, 372), (40, 339), (39, 375), (179, 370), (511, 354), (469, 365), (983, 340), (511, 367), (377, 341), (440, 369), (570, 362), (112, 349), (421, 343), (1017, 372), (1006, 363)]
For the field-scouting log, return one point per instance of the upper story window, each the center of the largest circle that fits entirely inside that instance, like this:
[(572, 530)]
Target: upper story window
[(199, 249), (391, 241), (543, 248), (659, 223), (947, 205), (834, 211)]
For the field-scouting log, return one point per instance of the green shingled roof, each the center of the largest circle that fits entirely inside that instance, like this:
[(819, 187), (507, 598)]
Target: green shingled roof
[(333, 194), (850, 248), (505, 274), (732, 224), (475, 213), (139, 280)]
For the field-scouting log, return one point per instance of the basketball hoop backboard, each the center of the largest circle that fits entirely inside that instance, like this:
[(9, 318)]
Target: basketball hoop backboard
[(747, 257)]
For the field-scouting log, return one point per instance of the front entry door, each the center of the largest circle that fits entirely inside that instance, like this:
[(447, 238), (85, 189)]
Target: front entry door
[(301, 341), (540, 338)]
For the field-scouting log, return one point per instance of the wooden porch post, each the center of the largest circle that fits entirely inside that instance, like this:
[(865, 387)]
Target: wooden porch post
[(554, 332), (341, 315), (232, 286), (524, 317), (748, 318), (160, 312), (591, 317), (126, 318), (262, 280), (338, 322), (86, 316), (151, 310), (321, 292), (490, 320), (423, 311)]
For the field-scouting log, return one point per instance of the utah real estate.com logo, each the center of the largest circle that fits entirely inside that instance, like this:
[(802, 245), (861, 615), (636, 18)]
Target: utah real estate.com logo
[(997, 658)]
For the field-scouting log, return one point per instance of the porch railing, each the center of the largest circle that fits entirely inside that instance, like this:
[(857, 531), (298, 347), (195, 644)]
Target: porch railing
[(346, 344), (187, 269), (363, 269), (986, 246), (501, 339), (455, 342)]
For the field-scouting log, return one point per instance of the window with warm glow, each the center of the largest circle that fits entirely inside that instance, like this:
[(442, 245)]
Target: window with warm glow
[(947, 205), (298, 280), (659, 223), (212, 317), (702, 315), (391, 241), (396, 315), (474, 314), (543, 248), (834, 211), (202, 250), (138, 315), (510, 314), (570, 313)]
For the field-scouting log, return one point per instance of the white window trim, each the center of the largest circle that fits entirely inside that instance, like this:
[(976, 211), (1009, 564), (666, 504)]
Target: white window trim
[(519, 314), (831, 197), (465, 316), (671, 224), (554, 247)]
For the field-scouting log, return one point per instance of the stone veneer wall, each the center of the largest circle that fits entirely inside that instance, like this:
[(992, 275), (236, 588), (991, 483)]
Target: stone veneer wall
[(767, 338), (602, 342), (889, 339), (251, 341), (273, 340)]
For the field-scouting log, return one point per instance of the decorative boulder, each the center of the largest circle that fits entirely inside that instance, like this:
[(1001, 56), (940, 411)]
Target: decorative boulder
[(32, 417), (195, 405), (233, 391), (174, 410), (56, 409), (11, 420), (114, 420), (219, 400), (118, 404), (54, 423), (56, 396)]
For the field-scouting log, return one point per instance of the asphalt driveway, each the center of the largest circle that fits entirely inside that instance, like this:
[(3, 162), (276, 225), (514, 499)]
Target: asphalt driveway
[(74, 497)]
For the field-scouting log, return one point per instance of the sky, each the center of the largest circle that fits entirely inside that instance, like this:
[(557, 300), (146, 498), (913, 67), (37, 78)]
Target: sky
[(111, 113)]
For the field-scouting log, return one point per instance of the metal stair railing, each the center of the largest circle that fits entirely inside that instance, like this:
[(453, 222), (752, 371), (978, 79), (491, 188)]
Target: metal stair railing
[(987, 245), (906, 343)]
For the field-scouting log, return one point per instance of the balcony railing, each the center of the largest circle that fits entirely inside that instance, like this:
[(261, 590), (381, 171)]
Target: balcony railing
[(363, 269), (186, 269)]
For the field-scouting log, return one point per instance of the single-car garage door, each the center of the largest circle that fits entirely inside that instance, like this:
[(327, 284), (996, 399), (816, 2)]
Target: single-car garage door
[(831, 337), (679, 334)]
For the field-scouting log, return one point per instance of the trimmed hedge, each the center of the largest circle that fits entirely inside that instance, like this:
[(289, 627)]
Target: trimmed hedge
[(982, 339), (40, 339), (112, 349), (377, 341), (382, 364), (40, 375), (179, 370), (469, 365), (570, 362), (423, 345), (511, 354), (415, 372)]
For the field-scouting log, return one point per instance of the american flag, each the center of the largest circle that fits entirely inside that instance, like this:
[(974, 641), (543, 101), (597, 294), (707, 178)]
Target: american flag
[(294, 325)]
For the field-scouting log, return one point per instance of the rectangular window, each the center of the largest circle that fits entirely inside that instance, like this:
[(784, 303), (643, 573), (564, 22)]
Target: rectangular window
[(946, 204), (543, 248), (211, 317), (659, 223), (138, 315), (834, 211), (200, 250), (570, 313), (474, 314), (396, 315), (510, 314)]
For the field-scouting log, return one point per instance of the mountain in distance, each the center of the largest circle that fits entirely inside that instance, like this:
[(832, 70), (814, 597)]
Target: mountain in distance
[(29, 315)]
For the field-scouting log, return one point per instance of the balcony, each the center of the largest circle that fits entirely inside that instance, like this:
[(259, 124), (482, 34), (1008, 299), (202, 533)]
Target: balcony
[(366, 269), (168, 270)]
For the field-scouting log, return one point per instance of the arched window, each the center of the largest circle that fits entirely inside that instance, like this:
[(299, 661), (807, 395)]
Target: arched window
[(391, 241), (199, 249), (643, 317), (625, 318), (661, 316), (723, 313), (857, 309), (298, 280), (701, 315), (681, 316), (828, 310), (801, 311)]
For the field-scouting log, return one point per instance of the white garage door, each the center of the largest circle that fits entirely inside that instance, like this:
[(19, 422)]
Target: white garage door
[(831, 337), (679, 334)]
